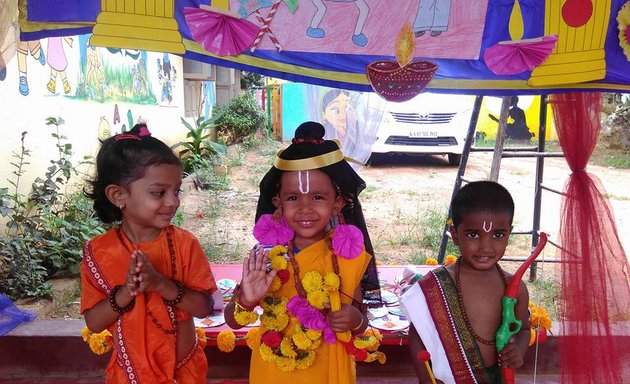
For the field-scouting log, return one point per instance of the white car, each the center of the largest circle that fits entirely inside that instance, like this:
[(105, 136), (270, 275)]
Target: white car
[(430, 123)]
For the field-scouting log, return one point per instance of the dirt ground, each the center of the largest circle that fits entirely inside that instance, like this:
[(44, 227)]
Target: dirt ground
[(402, 194)]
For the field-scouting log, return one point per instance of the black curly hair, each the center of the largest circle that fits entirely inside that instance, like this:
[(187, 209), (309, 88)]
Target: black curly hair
[(309, 142), (481, 196), (122, 159)]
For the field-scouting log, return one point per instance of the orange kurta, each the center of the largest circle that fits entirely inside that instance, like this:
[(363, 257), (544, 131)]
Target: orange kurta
[(144, 353), (332, 364)]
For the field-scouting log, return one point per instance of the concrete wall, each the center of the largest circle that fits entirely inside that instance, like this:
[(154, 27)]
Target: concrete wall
[(104, 87)]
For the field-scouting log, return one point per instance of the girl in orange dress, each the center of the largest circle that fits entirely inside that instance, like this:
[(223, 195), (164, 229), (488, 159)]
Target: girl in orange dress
[(144, 279)]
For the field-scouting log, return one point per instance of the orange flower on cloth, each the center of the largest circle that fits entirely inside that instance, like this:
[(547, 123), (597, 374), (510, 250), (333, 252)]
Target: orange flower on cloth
[(623, 24), (226, 341)]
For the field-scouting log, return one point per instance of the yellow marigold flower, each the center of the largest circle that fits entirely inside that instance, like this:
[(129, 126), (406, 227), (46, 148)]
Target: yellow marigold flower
[(276, 283), (313, 334), (286, 347), (226, 341), (277, 322), (246, 317), (86, 334), (316, 344), (285, 364), (545, 322), (252, 338), (277, 250), (278, 262), (306, 361), (364, 342), (201, 336), (450, 259), (532, 336), (374, 332), (449, 221), (331, 281), (317, 298), (98, 342), (531, 304), (431, 261), (312, 281), (301, 340), (266, 353)]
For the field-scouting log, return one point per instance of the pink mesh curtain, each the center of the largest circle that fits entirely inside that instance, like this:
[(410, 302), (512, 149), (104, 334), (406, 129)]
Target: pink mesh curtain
[(595, 292)]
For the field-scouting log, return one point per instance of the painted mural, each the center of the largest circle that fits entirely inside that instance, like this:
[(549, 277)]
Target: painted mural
[(76, 69), (443, 28)]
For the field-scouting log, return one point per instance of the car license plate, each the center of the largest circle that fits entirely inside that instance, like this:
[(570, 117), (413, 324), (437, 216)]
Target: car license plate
[(423, 134)]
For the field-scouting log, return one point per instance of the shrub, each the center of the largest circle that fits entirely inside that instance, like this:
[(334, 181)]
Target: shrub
[(46, 229), (240, 118), (199, 150)]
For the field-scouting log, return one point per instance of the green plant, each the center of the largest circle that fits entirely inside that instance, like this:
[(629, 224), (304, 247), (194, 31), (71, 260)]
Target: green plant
[(240, 118), (46, 228), (199, 146)]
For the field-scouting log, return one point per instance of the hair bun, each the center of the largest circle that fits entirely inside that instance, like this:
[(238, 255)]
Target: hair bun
[(310, 130)]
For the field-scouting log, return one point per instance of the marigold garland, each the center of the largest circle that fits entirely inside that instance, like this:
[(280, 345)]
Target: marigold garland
[(226, 341), (99, 343), (295, 350), (431, 261), (450, 259), (201, 337), (251, 338), (540, 322)]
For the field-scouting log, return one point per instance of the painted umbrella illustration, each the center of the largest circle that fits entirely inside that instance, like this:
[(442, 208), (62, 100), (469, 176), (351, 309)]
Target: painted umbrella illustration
[(512, 57), (220, 32)]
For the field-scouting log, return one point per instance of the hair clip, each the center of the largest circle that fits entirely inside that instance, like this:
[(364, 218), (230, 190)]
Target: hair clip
[(123, 136), (143, 132)]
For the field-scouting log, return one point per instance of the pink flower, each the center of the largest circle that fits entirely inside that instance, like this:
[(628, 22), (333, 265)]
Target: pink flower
[(310, 317), (271, 339), (347, 241), (270, 232)]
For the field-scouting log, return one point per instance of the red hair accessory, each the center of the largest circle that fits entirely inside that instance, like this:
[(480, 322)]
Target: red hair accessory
[(311, 140), (143, 132)]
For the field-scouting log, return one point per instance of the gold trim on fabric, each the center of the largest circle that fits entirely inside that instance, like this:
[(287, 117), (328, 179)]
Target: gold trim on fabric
[(306, 164)]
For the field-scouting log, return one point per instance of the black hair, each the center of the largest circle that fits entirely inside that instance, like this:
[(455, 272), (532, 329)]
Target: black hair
[(309, 142), (481, 196), (121, 160)]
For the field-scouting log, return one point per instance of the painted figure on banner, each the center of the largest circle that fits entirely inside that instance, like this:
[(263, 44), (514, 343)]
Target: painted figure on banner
[(339, 119), (432, 17), (25, 48), (58, 63), (358, 37)]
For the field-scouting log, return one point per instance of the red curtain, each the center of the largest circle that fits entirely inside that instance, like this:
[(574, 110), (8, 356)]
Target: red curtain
[(595, 292)]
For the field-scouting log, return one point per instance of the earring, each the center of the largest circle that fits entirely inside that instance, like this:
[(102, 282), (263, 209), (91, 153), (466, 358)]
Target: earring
[(347, 239), (121, 206)]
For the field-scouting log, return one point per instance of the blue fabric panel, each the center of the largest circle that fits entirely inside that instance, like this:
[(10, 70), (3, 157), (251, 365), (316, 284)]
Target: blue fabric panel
[(66, 11)]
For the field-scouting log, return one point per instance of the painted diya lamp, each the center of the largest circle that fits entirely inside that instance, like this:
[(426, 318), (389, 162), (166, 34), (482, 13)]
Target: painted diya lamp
[(403, 79)]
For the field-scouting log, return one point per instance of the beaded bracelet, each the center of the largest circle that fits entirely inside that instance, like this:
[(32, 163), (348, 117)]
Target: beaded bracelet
[(180, 294), (112, 301)]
